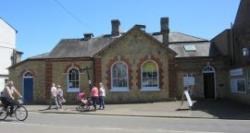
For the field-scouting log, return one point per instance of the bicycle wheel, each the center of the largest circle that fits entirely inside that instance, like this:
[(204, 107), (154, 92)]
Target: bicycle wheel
[(3, 113), (21, 113)]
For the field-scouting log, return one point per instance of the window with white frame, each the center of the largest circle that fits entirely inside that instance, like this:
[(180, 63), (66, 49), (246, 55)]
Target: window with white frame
[(149, 76), (237, 81), (245, 51), (119, 73), (190, 48), (73, 80), (238, 85)]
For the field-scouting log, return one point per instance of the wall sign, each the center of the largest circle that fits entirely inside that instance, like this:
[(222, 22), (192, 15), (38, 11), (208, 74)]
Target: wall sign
[(188, 81), (236, 72)]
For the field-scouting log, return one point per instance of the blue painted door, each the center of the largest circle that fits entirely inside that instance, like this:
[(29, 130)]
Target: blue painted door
[(28, 90)]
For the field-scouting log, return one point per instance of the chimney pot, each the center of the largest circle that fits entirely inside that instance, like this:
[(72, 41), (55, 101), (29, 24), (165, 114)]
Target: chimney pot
[(115, 23), (165, 30), (88, 36), (141, 27)]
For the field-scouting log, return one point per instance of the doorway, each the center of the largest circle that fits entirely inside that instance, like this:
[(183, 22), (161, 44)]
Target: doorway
[(209, 82), (27, 88)]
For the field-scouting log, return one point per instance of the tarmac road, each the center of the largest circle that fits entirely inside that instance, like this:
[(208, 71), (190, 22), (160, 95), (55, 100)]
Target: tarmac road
[(71, 123)]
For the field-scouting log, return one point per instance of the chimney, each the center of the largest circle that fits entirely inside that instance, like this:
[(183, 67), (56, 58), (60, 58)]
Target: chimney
[(115, 27), (165, 30), (141, 27), (88, 36)]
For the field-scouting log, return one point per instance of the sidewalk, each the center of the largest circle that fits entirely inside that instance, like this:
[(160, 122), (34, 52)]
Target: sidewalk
[(202, 109)]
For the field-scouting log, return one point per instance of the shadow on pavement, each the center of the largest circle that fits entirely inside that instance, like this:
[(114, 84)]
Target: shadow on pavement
[(223, 109)]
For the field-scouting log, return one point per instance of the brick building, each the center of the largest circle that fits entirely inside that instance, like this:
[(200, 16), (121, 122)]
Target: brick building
[(234, 43), (135, 66)]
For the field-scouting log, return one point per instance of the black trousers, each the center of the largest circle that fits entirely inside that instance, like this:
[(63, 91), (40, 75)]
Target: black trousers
[(94, 100), (6, 101)]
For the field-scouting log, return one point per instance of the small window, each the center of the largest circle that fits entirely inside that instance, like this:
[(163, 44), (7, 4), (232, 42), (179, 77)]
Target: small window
[(238, 85), (190, 48), (245, 51), (27, 75)]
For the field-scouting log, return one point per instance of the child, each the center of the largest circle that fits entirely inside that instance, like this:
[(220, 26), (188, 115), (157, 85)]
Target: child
[(82, 98)]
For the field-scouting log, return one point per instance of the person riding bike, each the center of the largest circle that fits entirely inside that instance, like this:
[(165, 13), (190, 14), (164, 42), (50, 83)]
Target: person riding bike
[(7, 96)]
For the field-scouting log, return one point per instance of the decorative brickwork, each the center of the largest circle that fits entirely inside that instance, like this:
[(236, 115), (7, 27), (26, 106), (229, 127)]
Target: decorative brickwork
[(111, 62), (70, 66), (48, 78), (97, 71), (27, 70), (146, 58), (172, 79)]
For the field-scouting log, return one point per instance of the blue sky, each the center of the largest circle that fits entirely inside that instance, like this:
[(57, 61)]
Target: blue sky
[(42, 23)]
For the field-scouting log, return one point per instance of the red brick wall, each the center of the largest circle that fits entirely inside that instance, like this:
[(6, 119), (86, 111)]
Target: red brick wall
[(97, 71), (48, 78)]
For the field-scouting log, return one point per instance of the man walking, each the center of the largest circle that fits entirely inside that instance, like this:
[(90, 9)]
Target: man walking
[(53, 97)]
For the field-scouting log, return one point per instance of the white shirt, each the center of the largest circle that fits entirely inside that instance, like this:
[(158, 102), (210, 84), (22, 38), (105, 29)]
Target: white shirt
[(60, 92), (6, 89), (53, 91), (102, 92)]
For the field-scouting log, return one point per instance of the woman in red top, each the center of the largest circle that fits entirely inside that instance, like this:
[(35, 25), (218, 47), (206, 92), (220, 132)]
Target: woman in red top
[(94, 95)]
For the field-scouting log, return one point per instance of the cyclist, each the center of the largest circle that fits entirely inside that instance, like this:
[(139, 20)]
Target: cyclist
[(7, 96)]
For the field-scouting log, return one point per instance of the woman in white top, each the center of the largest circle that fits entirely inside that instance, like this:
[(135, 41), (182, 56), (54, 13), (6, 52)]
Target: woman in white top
[(102, 95)]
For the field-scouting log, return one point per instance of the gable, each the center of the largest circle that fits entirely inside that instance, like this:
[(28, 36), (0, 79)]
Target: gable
[(136, 40), (6, 25), (242, 19)]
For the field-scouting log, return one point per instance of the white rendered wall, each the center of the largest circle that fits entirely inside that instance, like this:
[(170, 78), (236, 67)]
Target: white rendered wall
[(2, 83), (7, 44)]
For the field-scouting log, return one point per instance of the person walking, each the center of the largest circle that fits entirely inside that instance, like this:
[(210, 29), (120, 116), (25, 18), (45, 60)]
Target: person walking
[(53, 97), (94, 96), (102, 95), (60, 98)]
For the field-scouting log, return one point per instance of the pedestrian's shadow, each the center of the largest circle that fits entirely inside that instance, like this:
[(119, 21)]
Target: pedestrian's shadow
[(48, 109), (223, 109), (87, 110), (9, 120), (183, 109)]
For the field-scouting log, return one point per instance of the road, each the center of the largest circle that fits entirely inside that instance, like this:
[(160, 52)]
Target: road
[(71, 123)]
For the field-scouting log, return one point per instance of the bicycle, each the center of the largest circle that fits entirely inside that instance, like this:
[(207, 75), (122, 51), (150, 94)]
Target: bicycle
[(20, 112)]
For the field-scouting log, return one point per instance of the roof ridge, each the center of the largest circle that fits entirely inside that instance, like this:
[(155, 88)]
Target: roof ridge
[(9, 24)]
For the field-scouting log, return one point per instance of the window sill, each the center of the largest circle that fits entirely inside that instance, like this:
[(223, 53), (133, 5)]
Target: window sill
[(73, 90), (240, 92), (119, 90), (150, 89)]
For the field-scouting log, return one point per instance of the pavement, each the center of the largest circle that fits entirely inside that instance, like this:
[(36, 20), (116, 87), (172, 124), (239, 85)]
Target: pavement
[(204, 109)]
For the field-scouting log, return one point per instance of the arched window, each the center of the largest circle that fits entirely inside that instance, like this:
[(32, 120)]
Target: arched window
[(149, 76), (119, 74), (208, 69), (209, 81), (28, 75), (73, 80)]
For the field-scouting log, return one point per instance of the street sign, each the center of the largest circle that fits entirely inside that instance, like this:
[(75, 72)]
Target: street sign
[(190, 103)]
